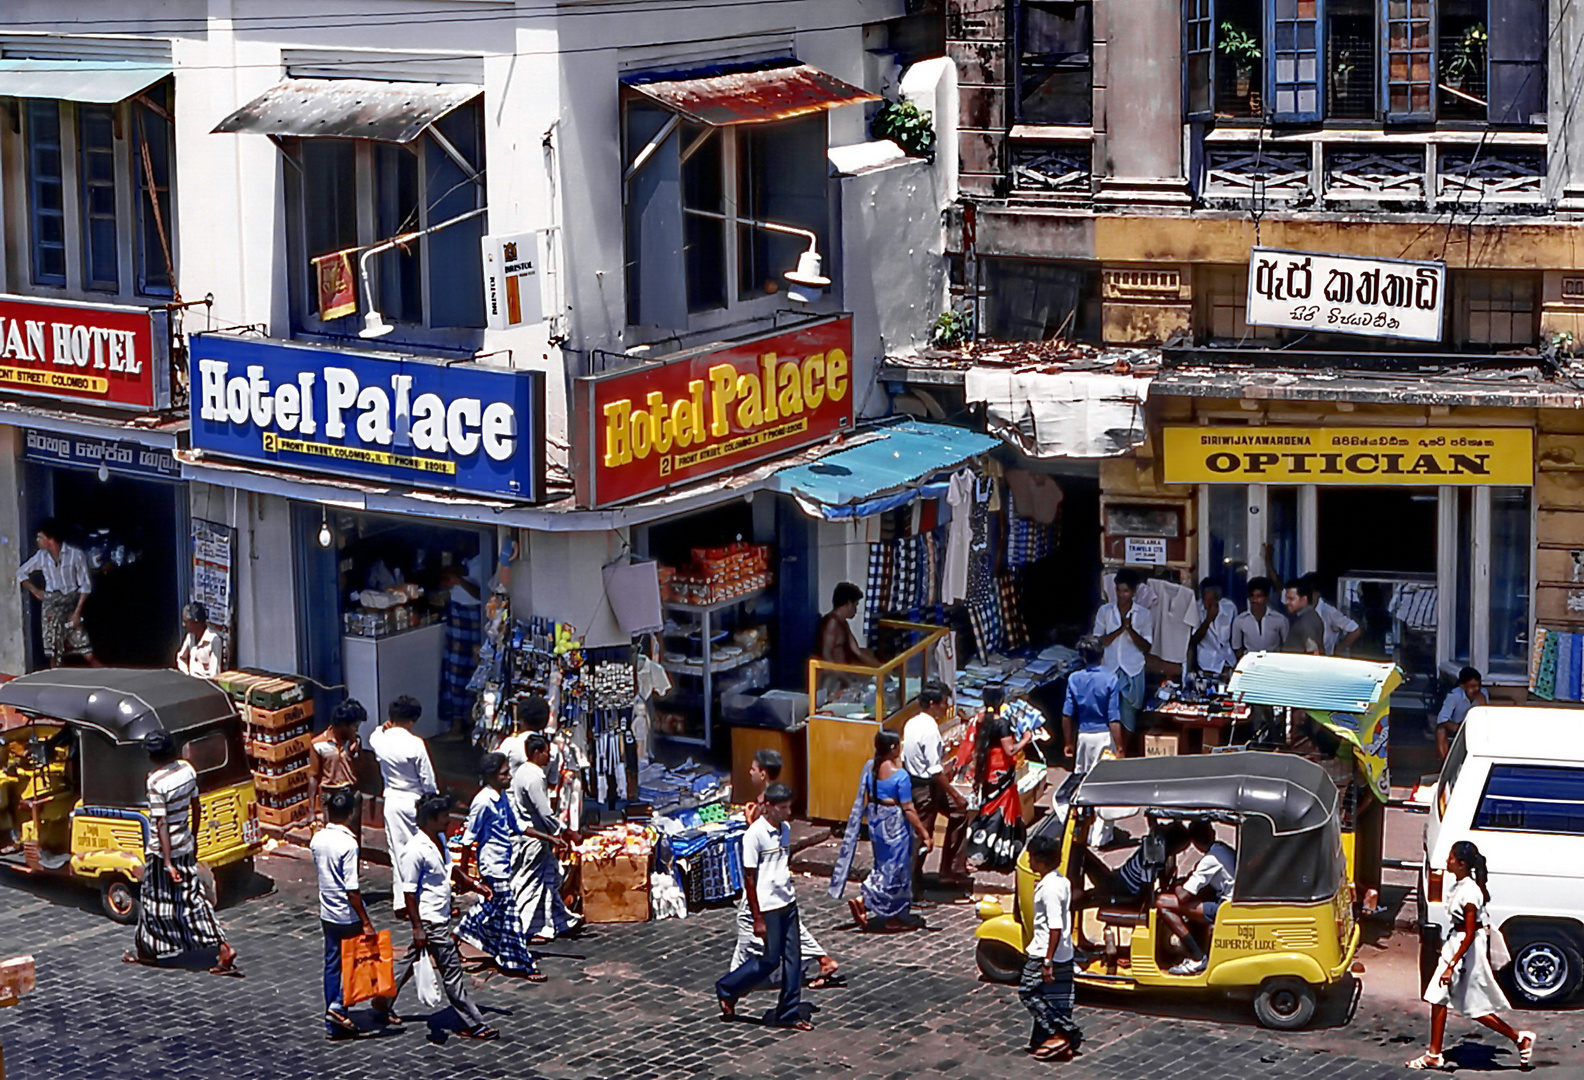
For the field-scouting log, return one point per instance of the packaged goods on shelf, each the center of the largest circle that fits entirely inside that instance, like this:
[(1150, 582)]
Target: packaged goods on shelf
[(717, 574)]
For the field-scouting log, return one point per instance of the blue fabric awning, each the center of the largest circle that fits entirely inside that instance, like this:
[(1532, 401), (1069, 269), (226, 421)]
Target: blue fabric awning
[(1302, 681), (883, 474)]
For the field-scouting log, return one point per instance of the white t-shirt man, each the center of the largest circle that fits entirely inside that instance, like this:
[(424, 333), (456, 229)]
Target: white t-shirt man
[(768, 849), (335, 856), (922, 747), (171, 791), (1052, 912), (429, 871), (1123, 654), (1215, 648), (200, 658)]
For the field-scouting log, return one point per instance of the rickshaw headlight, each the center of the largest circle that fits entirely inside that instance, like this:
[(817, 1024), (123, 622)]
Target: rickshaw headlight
[(1433, 886), (988, 909)]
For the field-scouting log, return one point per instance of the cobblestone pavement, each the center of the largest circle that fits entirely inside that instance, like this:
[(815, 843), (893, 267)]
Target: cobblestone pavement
[(635, 1001)]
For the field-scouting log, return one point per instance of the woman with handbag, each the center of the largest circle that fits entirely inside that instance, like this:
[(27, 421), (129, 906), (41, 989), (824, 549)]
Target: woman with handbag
[(1464, 978)]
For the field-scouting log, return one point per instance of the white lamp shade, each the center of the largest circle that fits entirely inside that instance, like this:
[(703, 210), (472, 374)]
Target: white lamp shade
[(374, 325)]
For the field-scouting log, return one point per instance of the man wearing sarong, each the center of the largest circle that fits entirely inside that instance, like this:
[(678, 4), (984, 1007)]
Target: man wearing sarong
[(408, 775), (176, 915), (494, 927), (535, 872), (65, 592)]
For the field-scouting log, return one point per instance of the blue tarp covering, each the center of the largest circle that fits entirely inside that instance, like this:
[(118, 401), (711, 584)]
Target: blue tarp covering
[(883, 474), (1305, 681)]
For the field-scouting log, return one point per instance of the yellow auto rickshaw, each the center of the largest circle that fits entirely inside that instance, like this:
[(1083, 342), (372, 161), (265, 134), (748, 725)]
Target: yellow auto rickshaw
[(1287, 932), (73, 775)]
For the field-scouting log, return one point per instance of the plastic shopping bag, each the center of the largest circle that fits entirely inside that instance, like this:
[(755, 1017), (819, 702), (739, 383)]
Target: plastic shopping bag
[(366, 969), (430, 993)]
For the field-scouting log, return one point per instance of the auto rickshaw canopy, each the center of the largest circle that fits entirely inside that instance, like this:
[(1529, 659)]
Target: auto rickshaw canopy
[(1289, 843), (111, 709), (1305, 681)]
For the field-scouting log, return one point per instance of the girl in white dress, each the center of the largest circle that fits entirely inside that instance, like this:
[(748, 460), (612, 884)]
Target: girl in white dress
[(1463, 978)]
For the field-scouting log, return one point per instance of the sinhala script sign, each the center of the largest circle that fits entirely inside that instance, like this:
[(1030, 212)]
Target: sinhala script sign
[(1341, 294)]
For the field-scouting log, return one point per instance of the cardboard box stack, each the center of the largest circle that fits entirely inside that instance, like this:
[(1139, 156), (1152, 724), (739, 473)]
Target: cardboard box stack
[(277, 718), (716, 574)]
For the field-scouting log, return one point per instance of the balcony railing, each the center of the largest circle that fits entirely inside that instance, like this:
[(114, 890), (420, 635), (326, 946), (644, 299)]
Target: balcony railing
[(1345, 169), (1051, 164)]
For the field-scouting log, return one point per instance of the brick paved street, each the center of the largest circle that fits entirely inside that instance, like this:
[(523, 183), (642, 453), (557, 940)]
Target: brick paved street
[(634, 1001)]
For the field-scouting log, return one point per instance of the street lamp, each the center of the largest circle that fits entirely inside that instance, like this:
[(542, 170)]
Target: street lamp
[(374, 324), (807, 281)]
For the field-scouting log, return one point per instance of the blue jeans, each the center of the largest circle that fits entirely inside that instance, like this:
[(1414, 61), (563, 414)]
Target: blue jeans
[(783, 948), (334, 935)]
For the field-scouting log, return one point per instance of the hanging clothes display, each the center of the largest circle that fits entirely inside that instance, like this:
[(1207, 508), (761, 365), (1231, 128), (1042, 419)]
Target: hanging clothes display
[(1027, 541), (959, 538)]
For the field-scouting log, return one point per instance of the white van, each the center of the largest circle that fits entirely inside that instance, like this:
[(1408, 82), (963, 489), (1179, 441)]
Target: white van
[(1513, 783)]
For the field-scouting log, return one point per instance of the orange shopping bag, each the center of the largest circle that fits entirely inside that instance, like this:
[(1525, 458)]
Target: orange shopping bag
[(366, 968)]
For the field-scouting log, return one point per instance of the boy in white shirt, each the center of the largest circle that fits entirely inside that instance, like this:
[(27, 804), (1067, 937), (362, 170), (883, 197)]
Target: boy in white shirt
[(1046, 988), (772, 899)]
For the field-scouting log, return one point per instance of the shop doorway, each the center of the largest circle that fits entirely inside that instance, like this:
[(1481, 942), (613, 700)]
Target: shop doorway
[(133, 531)]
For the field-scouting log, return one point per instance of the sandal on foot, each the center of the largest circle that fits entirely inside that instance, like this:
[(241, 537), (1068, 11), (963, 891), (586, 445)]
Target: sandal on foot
[(133, 958), (1526, 1045), (227, 969), (1427, 1061), (798, 1025), (728, 1008), (339, 1019), (828, 981), (483, 1033)]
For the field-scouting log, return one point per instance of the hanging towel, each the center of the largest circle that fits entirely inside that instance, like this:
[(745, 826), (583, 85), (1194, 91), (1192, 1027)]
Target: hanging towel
[(959, 536), (1545, 680)]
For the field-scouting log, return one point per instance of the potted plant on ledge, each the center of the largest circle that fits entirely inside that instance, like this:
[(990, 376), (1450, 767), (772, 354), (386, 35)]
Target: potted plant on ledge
[(1243, 49), (1466, 57)]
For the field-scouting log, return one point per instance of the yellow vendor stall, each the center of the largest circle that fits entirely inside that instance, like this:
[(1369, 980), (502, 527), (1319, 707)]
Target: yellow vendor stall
[(1349, 700), (850, 702)]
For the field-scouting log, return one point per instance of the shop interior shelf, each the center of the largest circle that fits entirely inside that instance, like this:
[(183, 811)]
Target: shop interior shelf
[(715, 668), (719, 605)]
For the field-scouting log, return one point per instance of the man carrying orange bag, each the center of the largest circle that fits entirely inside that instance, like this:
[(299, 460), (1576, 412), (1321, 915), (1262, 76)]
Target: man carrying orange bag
[(341, 910)]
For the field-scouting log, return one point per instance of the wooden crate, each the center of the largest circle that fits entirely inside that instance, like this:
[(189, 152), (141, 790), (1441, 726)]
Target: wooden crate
[(278, 719), (281, 751), (616, 889), (1160, 746), (279, 785), (278, 816)]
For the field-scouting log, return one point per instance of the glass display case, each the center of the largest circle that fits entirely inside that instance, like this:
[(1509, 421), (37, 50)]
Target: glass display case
[(850, 702)]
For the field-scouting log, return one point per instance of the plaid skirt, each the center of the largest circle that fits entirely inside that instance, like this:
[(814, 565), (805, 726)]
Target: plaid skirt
[(464, 633), (61, 638), (1050, 1003), (175, 918), (495, 928)]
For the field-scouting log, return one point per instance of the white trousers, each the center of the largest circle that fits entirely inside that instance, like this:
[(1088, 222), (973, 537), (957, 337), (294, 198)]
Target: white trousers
[(401, 825)]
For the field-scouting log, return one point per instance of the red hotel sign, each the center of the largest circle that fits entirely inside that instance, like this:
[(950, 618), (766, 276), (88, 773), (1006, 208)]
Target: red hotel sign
[(91, 352), (646, 429)]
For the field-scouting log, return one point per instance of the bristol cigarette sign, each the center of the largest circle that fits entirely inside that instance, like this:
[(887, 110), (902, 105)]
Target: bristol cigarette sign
[(1341, 294), (411, 420)]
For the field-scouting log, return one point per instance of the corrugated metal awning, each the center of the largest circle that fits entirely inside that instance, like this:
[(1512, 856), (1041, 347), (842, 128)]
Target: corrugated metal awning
[(395, 112), (96, 82), (1302, 681), (757, 96)]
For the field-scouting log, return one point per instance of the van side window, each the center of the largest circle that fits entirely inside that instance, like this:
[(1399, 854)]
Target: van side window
[(207, 752), (1533, 798), (1449, 772)]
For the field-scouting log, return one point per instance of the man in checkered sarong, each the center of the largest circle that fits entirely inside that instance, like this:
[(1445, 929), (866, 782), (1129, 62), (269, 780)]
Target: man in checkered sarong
[(176, 915)]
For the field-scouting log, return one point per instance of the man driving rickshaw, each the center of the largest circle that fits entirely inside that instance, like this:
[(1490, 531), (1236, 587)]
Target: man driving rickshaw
[(1277, 918), (75, 774)]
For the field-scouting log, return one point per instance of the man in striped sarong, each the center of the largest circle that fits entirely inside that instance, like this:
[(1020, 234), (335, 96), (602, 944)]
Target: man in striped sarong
[(176, 915)]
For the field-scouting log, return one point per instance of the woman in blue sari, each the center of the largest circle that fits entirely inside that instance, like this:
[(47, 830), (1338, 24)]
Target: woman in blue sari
[(885, 800)]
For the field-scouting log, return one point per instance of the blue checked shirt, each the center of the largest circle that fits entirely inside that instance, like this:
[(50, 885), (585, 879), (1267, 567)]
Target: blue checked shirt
[(1093, 698)]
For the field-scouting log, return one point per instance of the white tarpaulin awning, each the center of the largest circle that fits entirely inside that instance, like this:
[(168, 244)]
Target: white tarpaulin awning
[(97, 82), (1072, 414)]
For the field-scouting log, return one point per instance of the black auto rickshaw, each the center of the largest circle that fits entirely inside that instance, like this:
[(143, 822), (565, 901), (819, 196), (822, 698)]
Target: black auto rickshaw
[(73, 774)]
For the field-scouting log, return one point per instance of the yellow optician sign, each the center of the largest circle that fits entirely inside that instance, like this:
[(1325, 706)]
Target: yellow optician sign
[(1336, 455)]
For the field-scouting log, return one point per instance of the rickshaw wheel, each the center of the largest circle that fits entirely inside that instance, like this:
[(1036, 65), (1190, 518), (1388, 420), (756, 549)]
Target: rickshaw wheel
[(1284, 1003), (998, 962), (119, 898)]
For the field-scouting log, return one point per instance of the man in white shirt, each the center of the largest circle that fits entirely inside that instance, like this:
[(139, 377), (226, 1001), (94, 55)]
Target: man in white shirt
[(933, 795), (1210, 646), (772, 898), (1046, 988), (1125, 630), (1340, 631), (65, 592), (199, 655), (341, 911), (1260, 628), (426, 863), (175, 915), (1193, 904), (535, 870), (529, 717), (408, 775), (1459, 700)]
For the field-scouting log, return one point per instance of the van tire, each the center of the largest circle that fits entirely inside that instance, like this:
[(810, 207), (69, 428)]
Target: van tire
[(1546, 967), (998, 962), (119, 898), (1285, 1003)]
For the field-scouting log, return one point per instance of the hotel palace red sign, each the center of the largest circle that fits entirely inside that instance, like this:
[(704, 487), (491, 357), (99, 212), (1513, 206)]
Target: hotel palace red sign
[(649, 428), (91, 352)]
